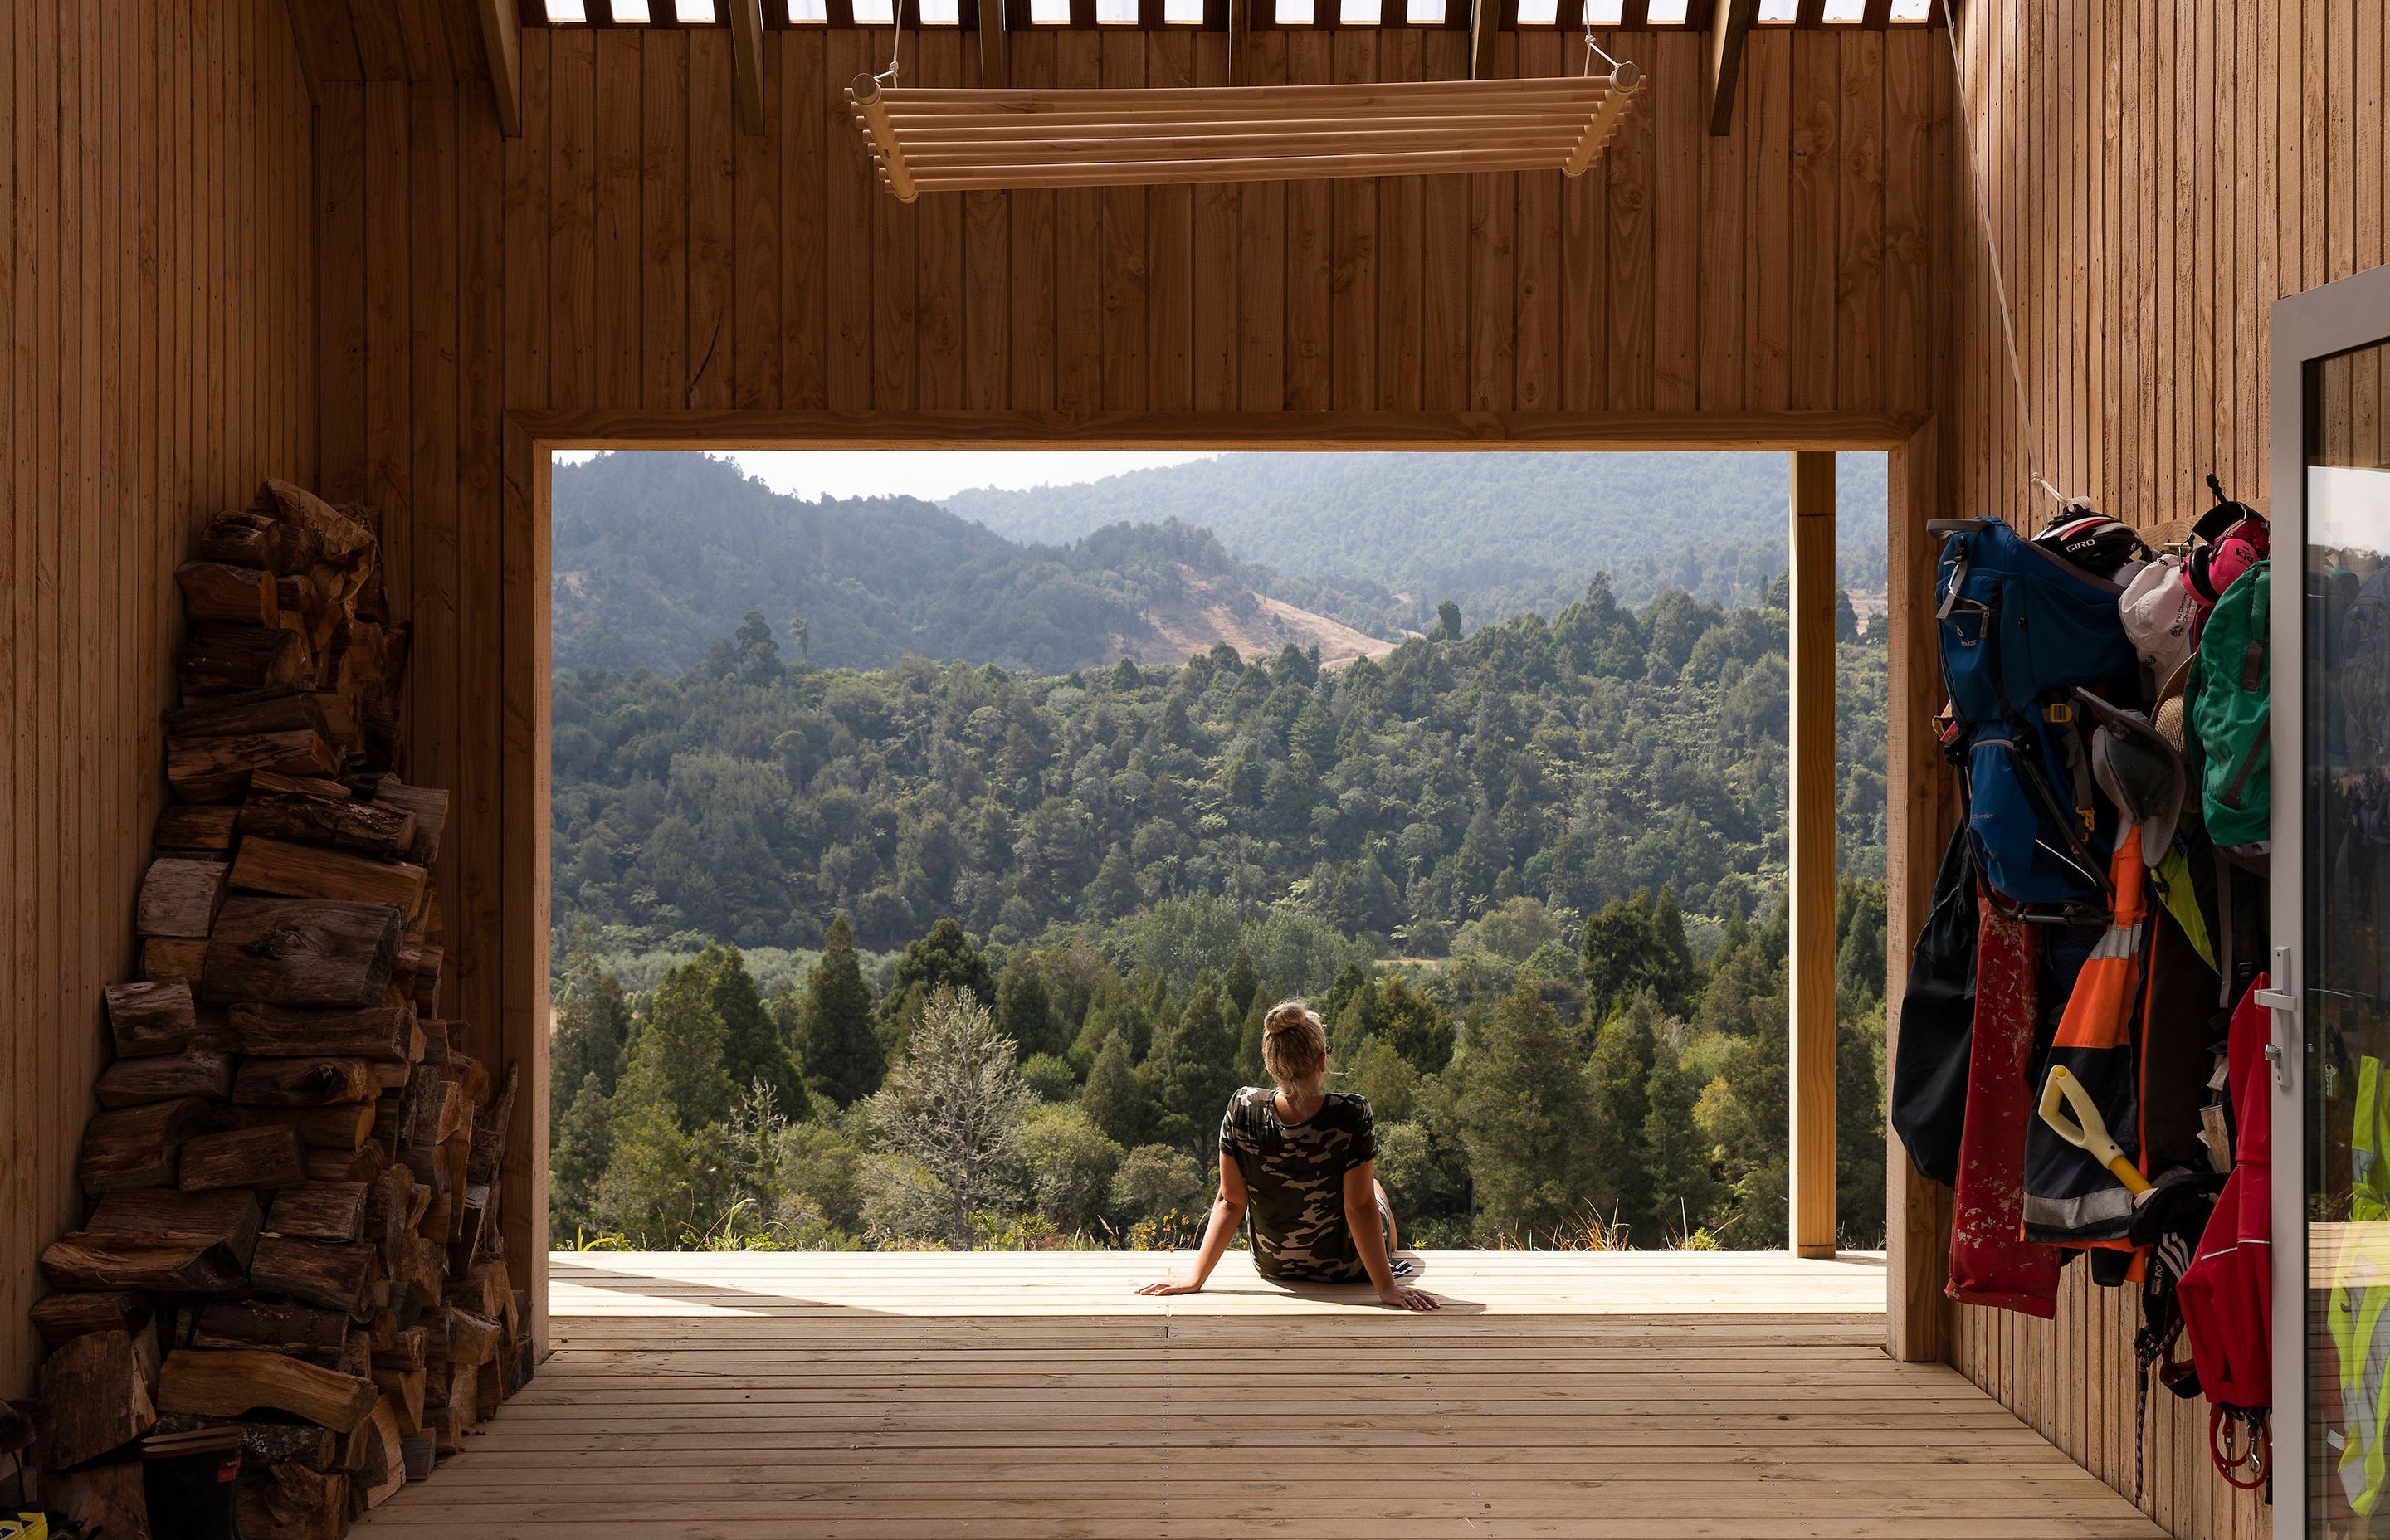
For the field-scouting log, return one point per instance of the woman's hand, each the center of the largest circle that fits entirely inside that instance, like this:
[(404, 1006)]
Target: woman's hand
[(1400, 1298), (1174, 1286)]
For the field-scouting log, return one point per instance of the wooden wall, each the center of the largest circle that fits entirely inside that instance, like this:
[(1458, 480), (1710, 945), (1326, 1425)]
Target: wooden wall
[(633, 251), (2158, 173), (155, 302)]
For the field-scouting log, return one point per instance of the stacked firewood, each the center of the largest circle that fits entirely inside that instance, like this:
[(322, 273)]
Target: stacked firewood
[(292, 1177)]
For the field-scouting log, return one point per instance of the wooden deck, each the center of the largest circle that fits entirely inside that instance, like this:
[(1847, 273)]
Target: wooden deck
[(1632, 1397)]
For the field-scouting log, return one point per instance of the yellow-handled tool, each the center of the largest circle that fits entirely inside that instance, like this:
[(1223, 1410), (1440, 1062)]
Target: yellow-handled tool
[(2062, 1094)]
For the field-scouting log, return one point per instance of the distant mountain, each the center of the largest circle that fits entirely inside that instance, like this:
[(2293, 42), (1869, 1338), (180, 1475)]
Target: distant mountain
[(658, 554), (1376, 540)]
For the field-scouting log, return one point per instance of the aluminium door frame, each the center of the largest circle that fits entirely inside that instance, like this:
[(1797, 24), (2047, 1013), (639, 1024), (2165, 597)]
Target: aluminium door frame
[(2334, 318)]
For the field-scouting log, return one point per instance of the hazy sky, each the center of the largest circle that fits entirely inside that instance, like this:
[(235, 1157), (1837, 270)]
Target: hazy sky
[(930, 474)]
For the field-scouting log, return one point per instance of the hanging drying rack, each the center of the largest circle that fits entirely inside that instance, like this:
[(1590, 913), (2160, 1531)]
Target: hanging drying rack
[(939, 140)]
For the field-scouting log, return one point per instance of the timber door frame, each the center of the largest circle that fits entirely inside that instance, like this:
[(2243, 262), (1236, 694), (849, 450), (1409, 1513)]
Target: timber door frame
[(1921, 804)]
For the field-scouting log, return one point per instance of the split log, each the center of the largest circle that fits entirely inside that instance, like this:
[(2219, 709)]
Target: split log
[(104, 1502), (153, 1018), (341, 539), (473, 1339), (60, 1317), (404, 1388), (198, 831), (343, 1126), (362, 1165), (291, 1502), (422, 1454), (232, 1383), (429, 805), (138, 1146), (99, 1385), (163, 1077), (390, 1204), (379, 1032), (285, 953), (304, 1082), (325, 1273), (264, 1157), (401, 1348), (179, 897), (252, 537), (320, 1211), (289, 870), (261, 1443), (382, 1469), (284, 709), (279, 1325), (273, 783), (231, 1217), (218, 658), (368, 828), (219, 591), (436, 1108), (177, 1264), (168, 959), (218, 768)]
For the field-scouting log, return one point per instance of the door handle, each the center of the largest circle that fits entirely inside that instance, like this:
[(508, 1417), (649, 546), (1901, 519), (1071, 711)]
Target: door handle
[(2281, 999)]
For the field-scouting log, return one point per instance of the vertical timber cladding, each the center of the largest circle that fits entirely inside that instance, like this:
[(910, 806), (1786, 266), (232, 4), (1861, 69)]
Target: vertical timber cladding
[(154, 303), (2157, 175), (634, 250)]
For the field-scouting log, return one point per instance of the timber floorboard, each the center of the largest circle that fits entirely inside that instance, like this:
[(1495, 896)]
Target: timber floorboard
[(1631, 1396)]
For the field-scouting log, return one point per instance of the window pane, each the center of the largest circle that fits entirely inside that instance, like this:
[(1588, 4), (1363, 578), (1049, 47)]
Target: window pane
[(1050, 13), (1294, 13), (694, 13), (631, 13), (567, 10), (1845, 10), (1667, 13), (1116, 13), (1912, 10), (1604, 12), (941, 13), (808, 10), (1425, 13), (874, 13), (1779, 10), (1358, 13), (1538, 13)]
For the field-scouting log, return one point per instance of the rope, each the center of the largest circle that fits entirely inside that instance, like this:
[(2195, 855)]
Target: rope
[(1591, 48), (895, 45), (2032, 477)]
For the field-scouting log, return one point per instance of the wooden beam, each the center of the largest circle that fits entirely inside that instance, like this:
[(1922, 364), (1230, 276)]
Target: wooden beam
[(1484, 25), (502, 40), (1922, 806), (1729, 25), (1241, 42), (994, 65), (747, 63), (1812, 877)]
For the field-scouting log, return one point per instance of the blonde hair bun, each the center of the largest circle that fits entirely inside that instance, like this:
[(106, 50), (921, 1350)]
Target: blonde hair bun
[(1294, 1046)]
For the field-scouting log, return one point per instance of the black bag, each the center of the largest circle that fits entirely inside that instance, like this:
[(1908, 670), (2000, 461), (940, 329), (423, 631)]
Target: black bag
[(1937, 1022)]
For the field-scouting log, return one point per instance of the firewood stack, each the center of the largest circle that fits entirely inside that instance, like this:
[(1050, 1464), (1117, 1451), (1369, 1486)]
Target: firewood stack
[(292, 1177)]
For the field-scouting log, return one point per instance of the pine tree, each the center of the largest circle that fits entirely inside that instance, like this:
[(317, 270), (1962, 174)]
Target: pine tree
[(1526, 1118), (584, 1145), (834, 1041), (593, 1028), (955, 1103), (1241, 985), (1620, 1076), (753, 1053), (1113, 893), (1115, 1100), (677, 1057), (1193, 1072), (1684, 1186), (1023, 1011)]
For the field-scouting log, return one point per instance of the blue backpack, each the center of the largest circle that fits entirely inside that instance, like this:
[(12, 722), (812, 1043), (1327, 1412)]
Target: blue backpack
[(2020, 629)]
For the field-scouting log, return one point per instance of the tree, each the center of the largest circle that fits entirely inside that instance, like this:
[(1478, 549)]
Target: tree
[(1154, 1180), (947, 958), (1194, 1074), (1241, 985), (1023, 1011), (1634, 944), (1448, 621), (1684, 1186), (593, 1027), (834, 1040), (754, 1051), (585, 1144), (953, 1104), (1069, 1164), (1527, 1115), (678, 1056), (1115, 1100), (1620, 1077)]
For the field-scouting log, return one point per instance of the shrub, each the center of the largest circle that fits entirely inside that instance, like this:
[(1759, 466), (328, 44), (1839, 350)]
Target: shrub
[(1154, 1179)]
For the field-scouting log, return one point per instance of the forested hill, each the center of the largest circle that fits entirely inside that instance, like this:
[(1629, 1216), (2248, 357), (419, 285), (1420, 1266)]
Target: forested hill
[(658, 554), (1377, 540), (1575, 761)]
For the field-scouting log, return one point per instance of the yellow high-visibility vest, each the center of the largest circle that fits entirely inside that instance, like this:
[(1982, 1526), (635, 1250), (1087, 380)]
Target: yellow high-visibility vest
[(2359, 1336)]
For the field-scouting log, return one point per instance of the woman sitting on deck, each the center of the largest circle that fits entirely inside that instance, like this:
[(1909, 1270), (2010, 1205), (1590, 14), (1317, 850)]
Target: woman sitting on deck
[(1303, 1162)]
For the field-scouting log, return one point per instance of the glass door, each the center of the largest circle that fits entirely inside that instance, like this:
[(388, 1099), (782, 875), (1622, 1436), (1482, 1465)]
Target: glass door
[(2331, 947)]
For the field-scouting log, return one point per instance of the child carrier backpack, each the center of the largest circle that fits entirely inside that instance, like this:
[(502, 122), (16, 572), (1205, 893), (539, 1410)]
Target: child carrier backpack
[(2020, 629), (2231, 709)]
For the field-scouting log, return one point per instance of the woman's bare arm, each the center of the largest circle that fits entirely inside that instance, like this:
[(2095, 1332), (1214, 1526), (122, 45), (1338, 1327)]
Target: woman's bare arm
[(1369, 1239), (1227, 1212)]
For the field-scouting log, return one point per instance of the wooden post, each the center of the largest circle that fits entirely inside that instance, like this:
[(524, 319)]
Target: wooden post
[(502, 40), (747, 63), (995, 70), (1485, 26), (1922, 804), (1729, 25), (1812, 877)]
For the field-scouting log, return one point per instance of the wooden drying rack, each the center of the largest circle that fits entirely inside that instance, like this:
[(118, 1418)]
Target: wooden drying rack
[(971, 140)]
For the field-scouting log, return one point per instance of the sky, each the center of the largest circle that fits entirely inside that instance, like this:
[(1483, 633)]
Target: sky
[(930, 474)]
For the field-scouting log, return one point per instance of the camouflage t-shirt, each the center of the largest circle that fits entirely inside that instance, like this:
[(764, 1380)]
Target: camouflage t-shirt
[(1294, 1176)]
